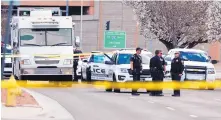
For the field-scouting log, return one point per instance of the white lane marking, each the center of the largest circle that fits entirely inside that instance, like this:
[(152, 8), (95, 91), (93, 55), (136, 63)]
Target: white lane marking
[(132, 97), (217, 99), (194, 116), (150, 101), (170, 108)]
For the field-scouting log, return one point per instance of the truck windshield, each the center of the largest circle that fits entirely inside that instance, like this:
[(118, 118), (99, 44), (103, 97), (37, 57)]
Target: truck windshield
[(46, 37), (194, 56), (125, 59)]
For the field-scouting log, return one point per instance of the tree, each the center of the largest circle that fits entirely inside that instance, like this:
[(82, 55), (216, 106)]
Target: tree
[(175, 23), (214, 24)]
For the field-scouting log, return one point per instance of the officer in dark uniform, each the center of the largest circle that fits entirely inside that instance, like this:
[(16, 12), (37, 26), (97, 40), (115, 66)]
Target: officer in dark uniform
[(176, 71), (157, 68), (136, 67), (76, 59)]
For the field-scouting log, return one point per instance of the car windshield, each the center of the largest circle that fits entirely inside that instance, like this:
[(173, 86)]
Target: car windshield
[(125, 59), (46, 37), (98, 58), (194, 56)]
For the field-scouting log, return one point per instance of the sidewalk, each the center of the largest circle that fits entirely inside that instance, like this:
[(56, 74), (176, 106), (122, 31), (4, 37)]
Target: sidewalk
[(34, 106)]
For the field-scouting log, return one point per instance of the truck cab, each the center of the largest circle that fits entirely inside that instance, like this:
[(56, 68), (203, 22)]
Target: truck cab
[(45, 45)]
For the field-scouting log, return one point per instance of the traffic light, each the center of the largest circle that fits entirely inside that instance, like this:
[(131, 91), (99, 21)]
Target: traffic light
[(108, 25)]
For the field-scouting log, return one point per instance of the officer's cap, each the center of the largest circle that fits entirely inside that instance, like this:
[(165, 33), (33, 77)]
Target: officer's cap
[(138, 48)]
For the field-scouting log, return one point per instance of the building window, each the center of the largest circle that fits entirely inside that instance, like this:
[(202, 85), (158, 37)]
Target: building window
[(75, 10)]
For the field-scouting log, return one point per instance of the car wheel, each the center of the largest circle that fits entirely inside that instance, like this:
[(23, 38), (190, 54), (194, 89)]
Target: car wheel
[(117, 90), (23, 81)]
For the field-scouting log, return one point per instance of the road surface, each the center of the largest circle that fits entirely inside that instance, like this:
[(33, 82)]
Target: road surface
[(95, 104)]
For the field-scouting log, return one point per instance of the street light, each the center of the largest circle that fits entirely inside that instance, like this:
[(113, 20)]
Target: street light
[(67, 7), (81, 23)]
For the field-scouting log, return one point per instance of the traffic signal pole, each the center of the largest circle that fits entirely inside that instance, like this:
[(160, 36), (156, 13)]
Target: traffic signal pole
[(6, 38)]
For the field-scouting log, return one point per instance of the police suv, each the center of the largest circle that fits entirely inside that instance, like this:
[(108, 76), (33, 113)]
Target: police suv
[(97, 67), (197, 65), (121, 65)]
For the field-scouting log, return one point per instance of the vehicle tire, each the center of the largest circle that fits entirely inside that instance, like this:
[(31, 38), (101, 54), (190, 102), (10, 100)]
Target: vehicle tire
[(108, 90), (210, 88), (88, 75), (68, 81), (23, 81), (115, 89)]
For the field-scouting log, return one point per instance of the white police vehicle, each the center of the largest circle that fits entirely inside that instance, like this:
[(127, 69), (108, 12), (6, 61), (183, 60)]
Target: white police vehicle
[(97, 67), (8, 62), (121, 65), (197, 65)]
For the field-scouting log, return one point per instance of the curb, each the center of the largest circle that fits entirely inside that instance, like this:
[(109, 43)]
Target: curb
[(51, 109)]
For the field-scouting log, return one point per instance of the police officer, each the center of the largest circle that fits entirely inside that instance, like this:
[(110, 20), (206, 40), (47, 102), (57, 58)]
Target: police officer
[(157, 68), (136, 67), (176, 71), (76, 59)]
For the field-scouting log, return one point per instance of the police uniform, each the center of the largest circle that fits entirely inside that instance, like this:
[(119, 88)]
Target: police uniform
[(177, 68), (157, 67), (137, 68), (76, 59)]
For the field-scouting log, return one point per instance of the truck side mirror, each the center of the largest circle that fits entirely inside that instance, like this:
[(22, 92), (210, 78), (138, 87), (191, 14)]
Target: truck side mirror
[(77, 41)]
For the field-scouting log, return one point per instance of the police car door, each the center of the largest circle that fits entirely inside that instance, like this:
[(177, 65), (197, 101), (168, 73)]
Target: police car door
[(100, 70)]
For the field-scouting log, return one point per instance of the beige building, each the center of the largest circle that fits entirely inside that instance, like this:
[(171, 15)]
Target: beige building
[(121, 17)]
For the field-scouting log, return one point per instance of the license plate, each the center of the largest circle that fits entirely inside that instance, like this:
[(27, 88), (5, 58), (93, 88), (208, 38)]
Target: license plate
[(100, 75)]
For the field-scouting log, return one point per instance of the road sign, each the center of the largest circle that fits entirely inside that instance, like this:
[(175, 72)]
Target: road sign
[(114, 39)]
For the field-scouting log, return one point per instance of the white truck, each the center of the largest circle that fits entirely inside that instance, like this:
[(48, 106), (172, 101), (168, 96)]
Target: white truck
[(45, 43), (197, 65)]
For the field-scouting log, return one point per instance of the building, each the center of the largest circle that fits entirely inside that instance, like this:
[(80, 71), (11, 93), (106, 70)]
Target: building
[(95, 16)]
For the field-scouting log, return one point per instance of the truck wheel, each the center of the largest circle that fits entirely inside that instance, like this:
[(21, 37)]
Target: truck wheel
[(23, 81), (68, 81), (117, 90)]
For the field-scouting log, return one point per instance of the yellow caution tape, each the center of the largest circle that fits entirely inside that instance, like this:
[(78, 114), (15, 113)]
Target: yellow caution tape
[(105, 84), (52, 56)]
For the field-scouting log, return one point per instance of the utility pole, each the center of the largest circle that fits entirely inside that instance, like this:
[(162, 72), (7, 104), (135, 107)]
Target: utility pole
[(6, 39), (81, 24), (67, 7)]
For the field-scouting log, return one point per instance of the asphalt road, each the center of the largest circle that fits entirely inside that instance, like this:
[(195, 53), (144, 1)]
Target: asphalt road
[(95, 104)]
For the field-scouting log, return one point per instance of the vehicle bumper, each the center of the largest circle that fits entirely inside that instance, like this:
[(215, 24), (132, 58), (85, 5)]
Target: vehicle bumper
[(125, 77), (196, 77), (47, 71)]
